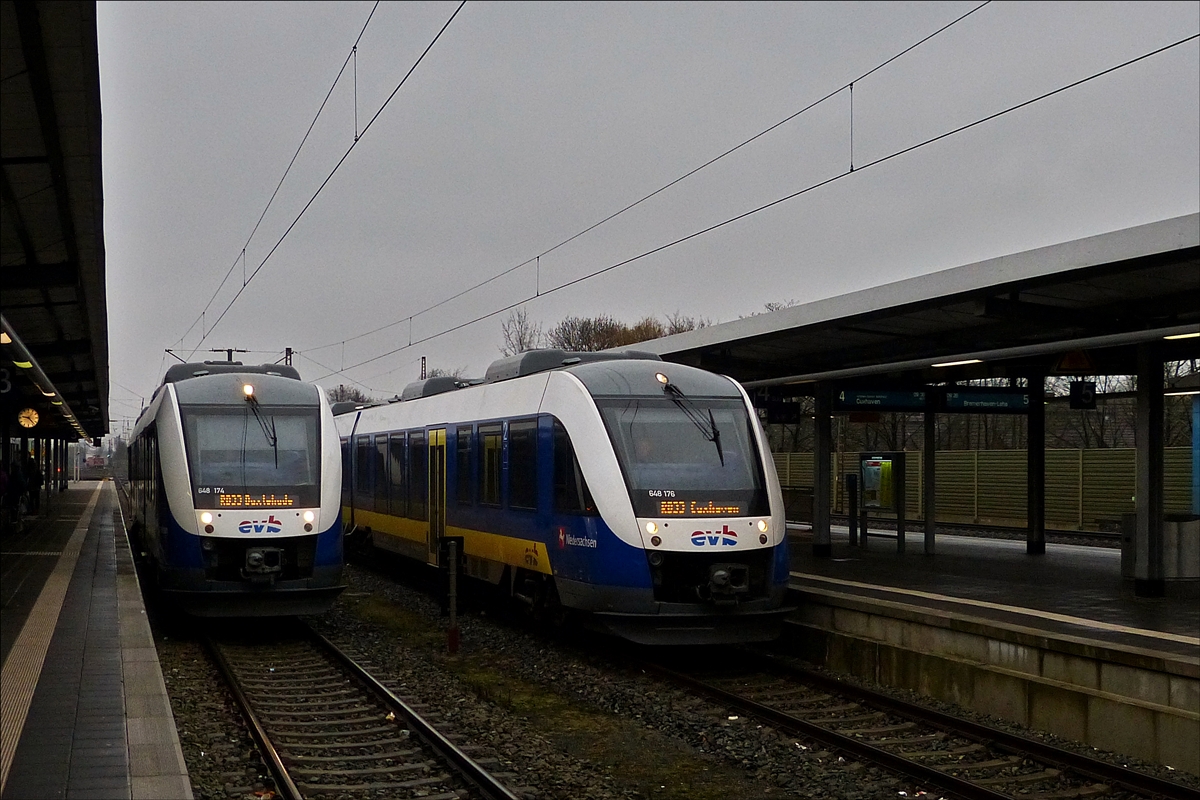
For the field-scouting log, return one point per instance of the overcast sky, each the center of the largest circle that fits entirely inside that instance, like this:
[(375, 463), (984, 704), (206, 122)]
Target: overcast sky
[(527, 123)]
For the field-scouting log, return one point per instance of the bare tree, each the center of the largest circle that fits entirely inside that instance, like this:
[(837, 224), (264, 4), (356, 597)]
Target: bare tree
[(352, 394), (643, 331), (774, 305), (678, 323), (520, 333), (586, 333), (438, 372)]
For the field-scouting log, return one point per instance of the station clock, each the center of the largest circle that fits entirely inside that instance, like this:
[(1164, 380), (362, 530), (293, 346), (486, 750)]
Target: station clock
[(27, 418)]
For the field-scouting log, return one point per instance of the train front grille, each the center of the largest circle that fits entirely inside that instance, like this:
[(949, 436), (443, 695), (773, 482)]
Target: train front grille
[(718, 578), (287, 558)]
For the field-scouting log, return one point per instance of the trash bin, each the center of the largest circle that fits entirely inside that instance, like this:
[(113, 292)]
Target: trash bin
[(1128, 545)]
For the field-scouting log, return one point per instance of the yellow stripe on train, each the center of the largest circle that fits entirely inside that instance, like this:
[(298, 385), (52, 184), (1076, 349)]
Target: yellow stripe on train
[(523, 553)]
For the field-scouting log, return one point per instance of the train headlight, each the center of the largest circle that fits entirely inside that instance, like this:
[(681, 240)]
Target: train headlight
[(762, 525), (206, 518), (661, 378), (656, 559), (762, 538), (248, 390), (655, 541), (309, 516), (651, 527)]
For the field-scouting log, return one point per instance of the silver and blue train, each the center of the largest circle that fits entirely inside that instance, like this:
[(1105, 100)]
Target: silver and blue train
[(235, 478), (639, 492)]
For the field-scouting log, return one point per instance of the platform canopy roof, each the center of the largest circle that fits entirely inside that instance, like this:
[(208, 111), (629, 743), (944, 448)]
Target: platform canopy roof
[(51, 219), (1080, 307)]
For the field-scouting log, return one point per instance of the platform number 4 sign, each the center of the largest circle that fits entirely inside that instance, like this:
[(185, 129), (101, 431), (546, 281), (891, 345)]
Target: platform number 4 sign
[(1083, 395)]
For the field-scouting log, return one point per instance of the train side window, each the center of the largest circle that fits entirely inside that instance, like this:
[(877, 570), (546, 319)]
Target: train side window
[(418, 475), (396, 464), (488, 455), (381, 475), (522, 464), (571, 495), (462, 463), (362, 473)]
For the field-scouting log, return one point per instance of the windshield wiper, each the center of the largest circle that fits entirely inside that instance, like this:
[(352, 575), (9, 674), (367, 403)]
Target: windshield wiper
[(267, 429), (708, 429)]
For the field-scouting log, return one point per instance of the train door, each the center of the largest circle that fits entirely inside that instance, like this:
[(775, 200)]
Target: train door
[(437, 492)]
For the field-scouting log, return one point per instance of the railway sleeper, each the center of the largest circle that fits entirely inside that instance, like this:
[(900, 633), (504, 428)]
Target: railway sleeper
[(814, 713), (1092, 790), (348, 745), (837, 722), (952, 753), (292, 696), (995, 763), (329, 714), (300, 666), (314, 679), (903, 726), (419, 766), (313, 788), (907, 740), (349, 725), (779, 694), (311, 703), (1028, 777), (340, 759), (343, 734)]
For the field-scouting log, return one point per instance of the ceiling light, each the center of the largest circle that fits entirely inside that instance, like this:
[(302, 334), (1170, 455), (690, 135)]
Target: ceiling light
[(1182, 393), (959, 363), (5, 338), (24, 364), (1193, 335)]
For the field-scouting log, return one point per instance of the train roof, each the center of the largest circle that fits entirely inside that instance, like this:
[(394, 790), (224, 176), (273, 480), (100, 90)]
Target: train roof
[(183, 372), (604, 374), (225, 388), (639, 377), (437, 385), (534, 361)]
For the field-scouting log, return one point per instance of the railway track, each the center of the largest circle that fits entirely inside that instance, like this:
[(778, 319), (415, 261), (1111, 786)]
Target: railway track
[(326, 728), (962, 758)]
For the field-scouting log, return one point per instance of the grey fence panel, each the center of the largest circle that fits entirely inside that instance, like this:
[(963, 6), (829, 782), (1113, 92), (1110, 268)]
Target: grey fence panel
[(1001, 486), (1084, 488), (1109, 483), (1064, 488)]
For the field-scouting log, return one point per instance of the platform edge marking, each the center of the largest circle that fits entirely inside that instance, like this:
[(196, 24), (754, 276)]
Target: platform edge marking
[(20, 673), (1028, 612)]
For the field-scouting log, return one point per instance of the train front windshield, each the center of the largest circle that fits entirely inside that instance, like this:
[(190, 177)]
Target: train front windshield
[(691, 457), (242, 460)]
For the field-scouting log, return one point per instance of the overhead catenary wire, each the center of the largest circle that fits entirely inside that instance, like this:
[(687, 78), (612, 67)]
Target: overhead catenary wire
[(329, 177), (537, 258), (242, 254), (812, 187)]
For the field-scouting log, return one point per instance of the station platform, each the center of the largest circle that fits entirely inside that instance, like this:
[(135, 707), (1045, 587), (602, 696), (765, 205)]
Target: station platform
[(84, 707), (1057, 642)]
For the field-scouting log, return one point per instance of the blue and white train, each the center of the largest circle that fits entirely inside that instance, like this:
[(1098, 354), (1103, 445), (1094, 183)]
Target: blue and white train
[(234, 480), (639, 492)]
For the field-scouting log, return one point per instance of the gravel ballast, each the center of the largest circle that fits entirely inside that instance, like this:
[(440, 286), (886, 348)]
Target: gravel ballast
[(554, 713)]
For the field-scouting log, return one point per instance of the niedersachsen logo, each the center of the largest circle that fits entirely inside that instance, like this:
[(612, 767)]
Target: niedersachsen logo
[(581, 541)]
